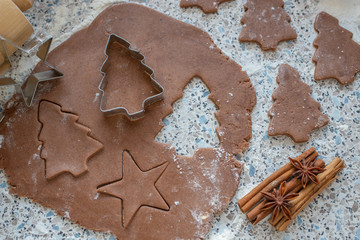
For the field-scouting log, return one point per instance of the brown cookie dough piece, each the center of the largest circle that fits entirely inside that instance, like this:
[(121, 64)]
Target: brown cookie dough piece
[(267, 23), (207, 6), (75, 145), (194, 188), (294, 112), (337, 54)]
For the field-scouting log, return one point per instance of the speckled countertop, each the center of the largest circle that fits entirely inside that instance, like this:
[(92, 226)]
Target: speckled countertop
[(334, 214)]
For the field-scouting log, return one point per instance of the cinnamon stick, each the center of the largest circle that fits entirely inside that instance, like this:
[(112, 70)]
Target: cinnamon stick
[(284, 222), (309, 193), (274, 180), (293, 186)]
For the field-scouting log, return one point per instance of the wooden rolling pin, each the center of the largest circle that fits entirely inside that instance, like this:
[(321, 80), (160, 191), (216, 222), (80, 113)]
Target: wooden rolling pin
[(13, 26), (24, 4)]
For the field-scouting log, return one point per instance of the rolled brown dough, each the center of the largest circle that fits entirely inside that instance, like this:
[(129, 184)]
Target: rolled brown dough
[(193, 188)]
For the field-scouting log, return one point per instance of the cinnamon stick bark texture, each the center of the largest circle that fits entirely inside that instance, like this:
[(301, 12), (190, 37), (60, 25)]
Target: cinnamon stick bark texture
[(309, 193), (274, 180)]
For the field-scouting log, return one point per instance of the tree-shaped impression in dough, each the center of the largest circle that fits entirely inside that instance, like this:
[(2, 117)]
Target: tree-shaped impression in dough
[(267, 23), (294, 112), (66, 144), (337, 54), (128, 85)]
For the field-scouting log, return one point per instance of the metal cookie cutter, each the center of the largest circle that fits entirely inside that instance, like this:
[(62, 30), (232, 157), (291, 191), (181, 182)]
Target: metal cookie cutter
[(137, 55), (41, 45)]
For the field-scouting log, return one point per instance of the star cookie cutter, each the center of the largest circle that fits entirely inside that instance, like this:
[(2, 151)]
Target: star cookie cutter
[(39, 44), (141, 58)]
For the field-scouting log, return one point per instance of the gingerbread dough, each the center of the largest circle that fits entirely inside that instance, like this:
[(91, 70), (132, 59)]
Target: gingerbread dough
[(267, 23), (208, 6), (133, 194), (78, 147), (294, 113), (192, 188), (337, 54)]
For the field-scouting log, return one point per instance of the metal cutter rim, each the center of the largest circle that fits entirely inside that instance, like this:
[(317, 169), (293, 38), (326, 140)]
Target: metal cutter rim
[(41, 43), (137, 55)]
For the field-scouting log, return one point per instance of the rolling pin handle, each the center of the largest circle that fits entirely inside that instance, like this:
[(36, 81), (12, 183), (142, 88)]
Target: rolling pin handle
[(24, 5)]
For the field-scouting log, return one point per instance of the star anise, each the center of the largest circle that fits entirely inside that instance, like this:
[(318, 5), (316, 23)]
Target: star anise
[(278, 201), (306, 170)]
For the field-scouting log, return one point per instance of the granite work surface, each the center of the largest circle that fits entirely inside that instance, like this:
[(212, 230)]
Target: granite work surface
[(334, 214)]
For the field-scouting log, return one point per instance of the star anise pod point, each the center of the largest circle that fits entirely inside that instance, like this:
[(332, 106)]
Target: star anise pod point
[(278, 201), (306, 170)]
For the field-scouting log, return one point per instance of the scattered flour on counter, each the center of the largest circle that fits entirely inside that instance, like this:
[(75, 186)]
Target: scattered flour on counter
[(196, 215), (1, 140), (96, 196), (96, 97), (66, 213), (34, 156)]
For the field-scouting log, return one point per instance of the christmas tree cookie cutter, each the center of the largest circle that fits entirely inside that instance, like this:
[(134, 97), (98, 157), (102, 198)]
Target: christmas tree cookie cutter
[(141, 58), (39, 44)]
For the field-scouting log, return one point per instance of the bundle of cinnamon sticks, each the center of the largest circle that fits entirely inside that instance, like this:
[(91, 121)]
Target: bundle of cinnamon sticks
[(254, 201)]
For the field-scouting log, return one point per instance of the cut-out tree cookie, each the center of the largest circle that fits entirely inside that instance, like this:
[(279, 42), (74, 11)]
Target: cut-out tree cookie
[(67, 145), (294, 112), (195, 188), (267, 23), (136, 188), (337, 54), (207, 6)]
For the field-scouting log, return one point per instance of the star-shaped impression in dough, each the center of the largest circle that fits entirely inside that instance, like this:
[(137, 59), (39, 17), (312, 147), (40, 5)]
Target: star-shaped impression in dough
[(136, 188)]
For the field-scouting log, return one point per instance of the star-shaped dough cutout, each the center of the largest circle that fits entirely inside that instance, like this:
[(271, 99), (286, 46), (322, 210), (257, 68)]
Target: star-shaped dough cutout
[(136, 188)]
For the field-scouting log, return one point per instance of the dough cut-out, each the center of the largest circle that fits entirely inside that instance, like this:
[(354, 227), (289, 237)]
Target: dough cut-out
[(136, 188), (184, 120), (267, 23), (66, 144), (337, 54), (195, 187), (294, 112), (207, 6), (128, 85)]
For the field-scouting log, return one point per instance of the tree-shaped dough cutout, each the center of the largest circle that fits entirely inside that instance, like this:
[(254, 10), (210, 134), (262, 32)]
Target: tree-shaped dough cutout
[(192, 124), (66, 144), (294, 112), (337, 54), (267, 23), (207, 6)]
